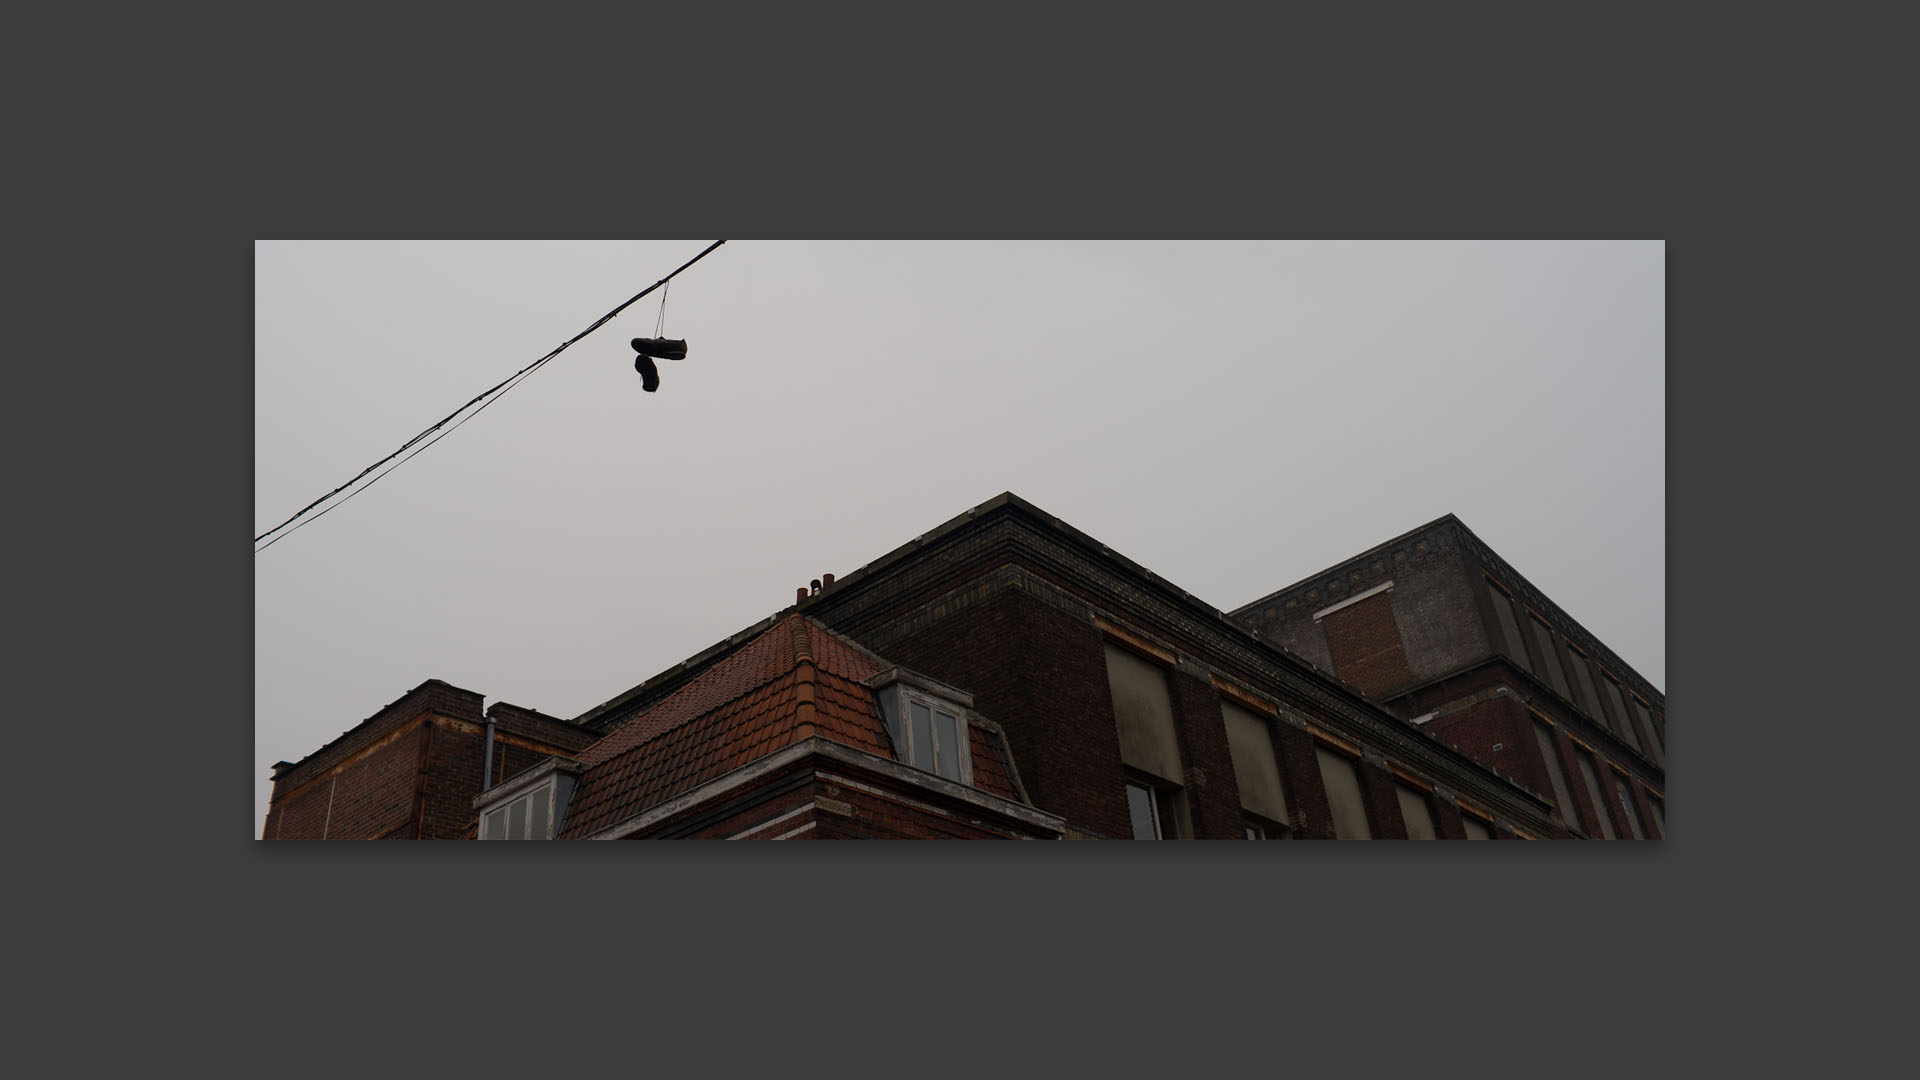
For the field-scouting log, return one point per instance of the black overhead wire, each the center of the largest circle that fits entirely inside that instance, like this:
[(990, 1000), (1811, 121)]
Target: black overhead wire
[(516, 380), (513, 379)]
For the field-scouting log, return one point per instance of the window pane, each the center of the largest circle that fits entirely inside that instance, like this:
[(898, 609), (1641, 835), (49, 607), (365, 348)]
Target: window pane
[(1143, 715), (1475, 830), (1169, 818), (1256, 770), (517, 819), (949, 729), (896, 730), (922, 737), (1589, 701), (1650, 736), (1599, 800), (537, 824), (1509, 629), (1551, 752), (1343, 796), (1626, 804), (1621, 722), (1413, 810), (1140, 808), (1659, 815), (1543, 637), (497, 824)]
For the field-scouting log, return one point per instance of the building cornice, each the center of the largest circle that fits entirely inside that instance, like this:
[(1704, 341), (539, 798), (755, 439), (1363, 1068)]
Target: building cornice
[(820, 748)]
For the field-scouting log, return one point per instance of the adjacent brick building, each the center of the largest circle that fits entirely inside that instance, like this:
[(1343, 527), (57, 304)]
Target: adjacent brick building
[(1006, 675), (410, 771), (1443, 633)]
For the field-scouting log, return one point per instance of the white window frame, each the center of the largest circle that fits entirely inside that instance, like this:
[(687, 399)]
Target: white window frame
[(897, 690), (1163, 804), (1260, 827), (909, 697), (503, 813)]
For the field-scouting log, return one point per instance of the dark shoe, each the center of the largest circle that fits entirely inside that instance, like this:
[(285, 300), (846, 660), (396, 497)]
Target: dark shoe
[(664, 348)]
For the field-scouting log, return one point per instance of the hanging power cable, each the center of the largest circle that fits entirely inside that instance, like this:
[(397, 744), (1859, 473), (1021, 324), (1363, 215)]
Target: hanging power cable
[(493, 393), (515, 381)]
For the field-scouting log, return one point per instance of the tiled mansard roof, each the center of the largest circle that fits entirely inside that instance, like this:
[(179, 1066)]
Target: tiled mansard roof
[(746, 707)]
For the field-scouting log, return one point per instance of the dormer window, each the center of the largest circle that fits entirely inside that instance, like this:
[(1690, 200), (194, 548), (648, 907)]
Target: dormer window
[(927, 721), (525, 818), (530, 806)]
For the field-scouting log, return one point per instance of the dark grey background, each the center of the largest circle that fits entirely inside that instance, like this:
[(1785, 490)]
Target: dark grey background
[(189, 938)]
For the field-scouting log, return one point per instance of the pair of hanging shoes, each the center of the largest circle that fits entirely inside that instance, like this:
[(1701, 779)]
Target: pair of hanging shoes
[(665, 349)]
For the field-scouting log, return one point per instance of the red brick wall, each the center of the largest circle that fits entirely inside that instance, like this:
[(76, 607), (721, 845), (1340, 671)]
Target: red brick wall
[(454, 767), (1502, 722), (432, 696), (1447, 820), (1383, 803), (753, 807), (375, 795), (301, 817), (1213, 793), (1041, 674), (1570, 755), (419, 784), (870, 816), (1365, 644), (1306, 790), (367, 800)]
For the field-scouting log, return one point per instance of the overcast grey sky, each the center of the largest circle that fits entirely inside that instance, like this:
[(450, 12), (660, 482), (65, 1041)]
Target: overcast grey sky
[(1232, 415)]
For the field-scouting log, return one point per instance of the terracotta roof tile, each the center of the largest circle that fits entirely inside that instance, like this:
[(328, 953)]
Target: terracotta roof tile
[(741, 710), (990, 772)]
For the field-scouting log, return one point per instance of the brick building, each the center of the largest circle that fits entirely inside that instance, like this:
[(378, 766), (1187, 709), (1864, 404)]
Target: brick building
[(1443, 633), (410, 771), (1007, 675)]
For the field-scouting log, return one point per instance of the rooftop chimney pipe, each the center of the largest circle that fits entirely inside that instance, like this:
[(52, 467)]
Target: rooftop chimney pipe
[(486, 778)]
